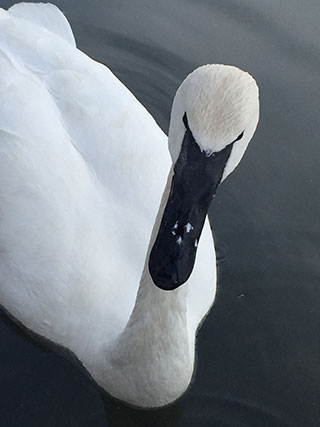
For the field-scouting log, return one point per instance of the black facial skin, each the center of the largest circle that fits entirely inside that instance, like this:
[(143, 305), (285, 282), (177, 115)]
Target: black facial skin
[(194, 183)]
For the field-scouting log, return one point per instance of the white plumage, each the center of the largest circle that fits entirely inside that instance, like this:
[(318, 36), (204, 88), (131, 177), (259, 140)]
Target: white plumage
[(83, 167)]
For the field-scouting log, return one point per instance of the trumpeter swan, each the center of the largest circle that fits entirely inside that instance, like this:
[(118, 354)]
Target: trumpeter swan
[(83, 167)]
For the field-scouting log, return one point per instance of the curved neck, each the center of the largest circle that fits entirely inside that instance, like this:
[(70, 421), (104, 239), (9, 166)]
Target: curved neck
[(151, 363), (151, 299)]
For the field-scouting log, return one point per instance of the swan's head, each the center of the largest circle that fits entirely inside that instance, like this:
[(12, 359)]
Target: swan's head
[(214, 115), (221, 105)]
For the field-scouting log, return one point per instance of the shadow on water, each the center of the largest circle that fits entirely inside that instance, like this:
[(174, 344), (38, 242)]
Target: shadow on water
[(121, 415)]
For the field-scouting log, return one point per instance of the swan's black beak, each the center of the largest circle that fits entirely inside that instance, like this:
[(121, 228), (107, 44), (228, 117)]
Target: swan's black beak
[(194, 183)]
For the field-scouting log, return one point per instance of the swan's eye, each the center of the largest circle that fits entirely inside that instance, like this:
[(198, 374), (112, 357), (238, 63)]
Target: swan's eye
[(239, 137)]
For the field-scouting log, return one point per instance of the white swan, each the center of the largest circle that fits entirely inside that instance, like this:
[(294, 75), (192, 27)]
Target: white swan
[(82, 171)]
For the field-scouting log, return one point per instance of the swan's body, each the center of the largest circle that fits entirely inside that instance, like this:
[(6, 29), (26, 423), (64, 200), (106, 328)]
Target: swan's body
[(83, 167)]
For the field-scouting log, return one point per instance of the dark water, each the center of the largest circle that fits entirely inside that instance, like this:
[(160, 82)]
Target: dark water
[(259, 349)]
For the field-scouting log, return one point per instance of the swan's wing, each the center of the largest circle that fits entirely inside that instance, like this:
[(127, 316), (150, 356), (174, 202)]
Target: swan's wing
[(104, 121), (46, 16), (82, 170)]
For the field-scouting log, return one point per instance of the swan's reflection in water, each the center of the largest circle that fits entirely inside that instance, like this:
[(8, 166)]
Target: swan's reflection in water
[(121, 415)]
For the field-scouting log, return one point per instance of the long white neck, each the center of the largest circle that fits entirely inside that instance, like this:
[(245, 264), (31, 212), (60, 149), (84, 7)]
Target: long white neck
[(151, 363)]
